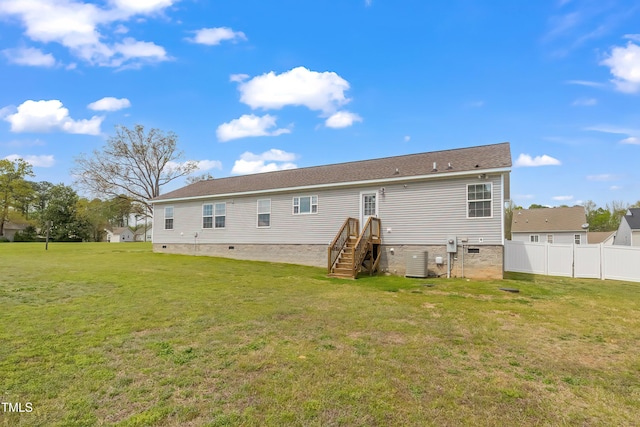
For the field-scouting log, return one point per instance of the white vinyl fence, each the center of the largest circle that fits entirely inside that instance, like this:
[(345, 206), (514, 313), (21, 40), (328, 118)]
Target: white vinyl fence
[(584, 261)]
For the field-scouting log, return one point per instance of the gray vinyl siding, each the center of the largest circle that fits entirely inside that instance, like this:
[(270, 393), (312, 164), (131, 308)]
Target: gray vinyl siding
[(623, 235), (424, 213)]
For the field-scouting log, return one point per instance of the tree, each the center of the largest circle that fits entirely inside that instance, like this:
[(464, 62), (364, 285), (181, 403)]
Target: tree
[(204, 177), (508, 218), (133, 163), (536, 206), (13, 187), (62, 211)]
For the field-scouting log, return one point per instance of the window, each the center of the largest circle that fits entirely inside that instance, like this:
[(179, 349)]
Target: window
[(534, 238), (207, 216), (305, 205), (168, 218), (577, 239), (479, 200), (220, 215), (549, 238), (264, 213)]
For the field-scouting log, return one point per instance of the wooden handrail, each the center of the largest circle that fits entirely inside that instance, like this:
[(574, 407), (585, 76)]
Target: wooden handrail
[(349, 228), (370, 231)]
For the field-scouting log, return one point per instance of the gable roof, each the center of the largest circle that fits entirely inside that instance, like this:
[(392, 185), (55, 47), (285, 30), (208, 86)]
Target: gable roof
[(548, 219), (633, 218), (599, 236), (481, 158)]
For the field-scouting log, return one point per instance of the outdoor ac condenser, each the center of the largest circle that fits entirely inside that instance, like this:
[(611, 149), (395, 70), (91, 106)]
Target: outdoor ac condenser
[(416, 264)]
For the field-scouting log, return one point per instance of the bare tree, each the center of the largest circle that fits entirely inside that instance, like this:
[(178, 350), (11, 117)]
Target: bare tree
[(133, 163)]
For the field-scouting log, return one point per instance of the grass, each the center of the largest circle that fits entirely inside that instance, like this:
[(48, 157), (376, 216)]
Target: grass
[(113, 334)]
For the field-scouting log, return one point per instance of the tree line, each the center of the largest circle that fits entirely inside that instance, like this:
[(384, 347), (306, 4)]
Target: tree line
[(123, 177)]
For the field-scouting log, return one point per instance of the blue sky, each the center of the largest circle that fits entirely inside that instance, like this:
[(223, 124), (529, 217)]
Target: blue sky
[(250, 86)]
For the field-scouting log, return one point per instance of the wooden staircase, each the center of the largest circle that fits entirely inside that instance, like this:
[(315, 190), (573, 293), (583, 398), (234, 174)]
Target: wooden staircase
[(350, 252)]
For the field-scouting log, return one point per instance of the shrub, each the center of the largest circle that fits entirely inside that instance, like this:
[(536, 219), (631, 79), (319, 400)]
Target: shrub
[(4, 239), (29, 234)]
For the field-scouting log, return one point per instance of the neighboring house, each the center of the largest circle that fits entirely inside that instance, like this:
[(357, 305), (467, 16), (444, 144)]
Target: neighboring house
[(419, 202), (629, 230), (139, 235), (11, 228), (604, 237), (550, 225), (119, 234)]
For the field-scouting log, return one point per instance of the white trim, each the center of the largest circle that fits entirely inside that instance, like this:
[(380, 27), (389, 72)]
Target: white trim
[(362, 194), (482, 200), (311, 205), (502, 219), (207, 216), (172, 218), (258, 213), (218, 216), (338, 185)]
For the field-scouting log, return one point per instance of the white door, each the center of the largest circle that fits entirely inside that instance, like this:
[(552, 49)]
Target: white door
[(368, 207)]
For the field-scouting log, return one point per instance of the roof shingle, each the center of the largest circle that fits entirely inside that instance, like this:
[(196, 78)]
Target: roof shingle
[(479, 158), (548, 219)]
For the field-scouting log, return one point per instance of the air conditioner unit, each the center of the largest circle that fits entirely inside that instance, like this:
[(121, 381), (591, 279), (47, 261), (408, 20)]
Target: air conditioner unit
[(416, 264)]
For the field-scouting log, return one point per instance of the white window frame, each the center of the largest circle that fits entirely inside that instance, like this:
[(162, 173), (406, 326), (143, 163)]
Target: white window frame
[(577, 239), (216, 216), (489, 200), (534, 238), (313, 206), (550, 238), (263, 213), (172, 217), (210, 216)]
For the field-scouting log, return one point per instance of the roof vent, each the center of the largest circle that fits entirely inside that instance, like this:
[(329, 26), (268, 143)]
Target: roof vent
[(435, 167), (449, 166), (397, 171)]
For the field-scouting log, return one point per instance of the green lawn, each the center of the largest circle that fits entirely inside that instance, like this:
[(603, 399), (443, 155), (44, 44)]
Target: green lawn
[(113, 334)]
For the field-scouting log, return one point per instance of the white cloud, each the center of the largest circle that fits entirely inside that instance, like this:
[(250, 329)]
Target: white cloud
[(205, 165), (562, 198), (256, 163), (342, 119), (474, 104), (624, 64), (249, 125), (49, 116), (109, 103), (525, 160), (584, 83), (617, 130), (407, 138), (317, 91), (43, 161), (214, 36), (615, 187), (238, 78), (87, 30), (602, 177), (585, 102), (634, 37), (29, 56), (142, 6)]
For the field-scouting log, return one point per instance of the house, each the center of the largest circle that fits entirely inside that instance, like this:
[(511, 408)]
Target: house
[(11, 228), (143, 233), (629, 230), (601, 237), (380, 211), (120, 234), (551, 225)]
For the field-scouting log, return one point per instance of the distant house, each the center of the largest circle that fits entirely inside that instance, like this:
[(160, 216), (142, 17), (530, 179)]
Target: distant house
[(139, 235), (120, 234), (11, 228), (374, 213), (603, 237), (629, 230), (550, 225)]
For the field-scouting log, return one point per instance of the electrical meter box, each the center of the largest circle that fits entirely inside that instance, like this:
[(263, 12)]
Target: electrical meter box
[(452, 244)]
